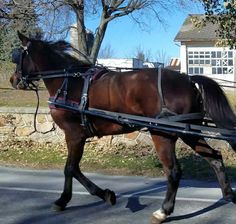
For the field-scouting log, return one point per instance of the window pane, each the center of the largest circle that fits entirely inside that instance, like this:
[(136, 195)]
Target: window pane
[(213, 54), (225, 70), (218, 54), (213, 62), (190, 71), (230, 70), (219, 70), (201, 61), (201, 70), (207, 62), (190, 62), (230, 62), (224, 62), (214, 71), (230, 54), (196, 61), (218, 62), (196, 70)]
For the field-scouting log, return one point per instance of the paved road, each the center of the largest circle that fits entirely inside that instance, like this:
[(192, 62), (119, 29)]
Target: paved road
[(26, 197)]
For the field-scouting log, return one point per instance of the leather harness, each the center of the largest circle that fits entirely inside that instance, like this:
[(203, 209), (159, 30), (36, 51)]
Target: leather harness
[(61, 98)]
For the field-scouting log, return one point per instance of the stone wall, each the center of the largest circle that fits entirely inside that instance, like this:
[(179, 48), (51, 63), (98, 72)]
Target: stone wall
[(19, 123)]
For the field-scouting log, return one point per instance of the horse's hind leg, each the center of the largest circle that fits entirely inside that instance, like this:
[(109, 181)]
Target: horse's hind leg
[(75, 151), (214, 158), (165, 147)]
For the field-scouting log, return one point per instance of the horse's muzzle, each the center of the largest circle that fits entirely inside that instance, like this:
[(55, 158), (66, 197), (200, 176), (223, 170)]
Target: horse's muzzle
[(17, 83)]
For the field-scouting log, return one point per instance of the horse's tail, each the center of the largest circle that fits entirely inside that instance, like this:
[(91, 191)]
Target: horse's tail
[(215, 102)]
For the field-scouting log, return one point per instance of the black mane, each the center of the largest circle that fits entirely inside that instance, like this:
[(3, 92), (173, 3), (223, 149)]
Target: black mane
[(61, 53)]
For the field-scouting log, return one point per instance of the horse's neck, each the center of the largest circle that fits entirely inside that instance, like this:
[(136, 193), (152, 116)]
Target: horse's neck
[(74, 84), (73, 89)]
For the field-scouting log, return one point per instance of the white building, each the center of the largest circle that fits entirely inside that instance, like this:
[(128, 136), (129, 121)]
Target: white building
[(124, 64), (199, 55), (120, 63)]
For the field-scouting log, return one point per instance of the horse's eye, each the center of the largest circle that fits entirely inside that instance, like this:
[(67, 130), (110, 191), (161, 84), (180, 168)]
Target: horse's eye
[(15, 56)]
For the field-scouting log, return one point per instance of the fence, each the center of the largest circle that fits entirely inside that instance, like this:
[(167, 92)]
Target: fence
[(19, 123)]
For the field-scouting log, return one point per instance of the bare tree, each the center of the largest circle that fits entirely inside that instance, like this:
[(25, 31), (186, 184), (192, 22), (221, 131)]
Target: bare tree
[(142, 54), (57, 17), (162, 57), (106, 52)]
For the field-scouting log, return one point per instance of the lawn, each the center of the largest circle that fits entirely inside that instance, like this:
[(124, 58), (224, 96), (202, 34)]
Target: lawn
[(114, 159)]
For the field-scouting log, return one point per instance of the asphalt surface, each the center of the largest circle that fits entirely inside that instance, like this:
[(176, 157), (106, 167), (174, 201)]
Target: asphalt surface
[(26, 197)]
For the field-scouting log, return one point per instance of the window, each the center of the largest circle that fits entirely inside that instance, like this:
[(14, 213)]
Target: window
[(190, 71), (213, 54), (230, 62), (213, 71), (225, 70), (214, 62), (219, 70), (196, 70)]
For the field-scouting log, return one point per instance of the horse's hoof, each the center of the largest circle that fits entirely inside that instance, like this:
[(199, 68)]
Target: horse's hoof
[(58, 208), (154, 220), (110, 197), (158, 217)]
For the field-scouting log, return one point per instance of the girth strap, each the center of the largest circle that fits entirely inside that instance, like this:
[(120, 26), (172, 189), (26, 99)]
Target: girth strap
[(84, 104)]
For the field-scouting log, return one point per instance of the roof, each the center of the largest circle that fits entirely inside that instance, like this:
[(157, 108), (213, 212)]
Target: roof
[(174, 64), (188, 32)]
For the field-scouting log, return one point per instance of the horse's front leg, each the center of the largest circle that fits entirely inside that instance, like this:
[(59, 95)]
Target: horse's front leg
[(165, 147), (66, 195), (75, 145)]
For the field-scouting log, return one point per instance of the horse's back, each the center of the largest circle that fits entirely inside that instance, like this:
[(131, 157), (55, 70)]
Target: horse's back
[(138, 92)]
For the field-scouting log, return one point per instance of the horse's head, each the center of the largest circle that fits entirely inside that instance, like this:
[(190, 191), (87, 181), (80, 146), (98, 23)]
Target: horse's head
[(37, 56), (23, 58)]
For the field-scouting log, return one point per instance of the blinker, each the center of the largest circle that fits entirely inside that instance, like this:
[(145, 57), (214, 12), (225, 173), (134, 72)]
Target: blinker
[(16, 55)]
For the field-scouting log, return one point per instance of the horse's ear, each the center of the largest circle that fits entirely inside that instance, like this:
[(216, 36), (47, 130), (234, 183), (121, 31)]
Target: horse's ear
[(23, 38)]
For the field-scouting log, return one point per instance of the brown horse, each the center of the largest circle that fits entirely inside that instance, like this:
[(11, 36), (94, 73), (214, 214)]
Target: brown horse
[(132, 92)]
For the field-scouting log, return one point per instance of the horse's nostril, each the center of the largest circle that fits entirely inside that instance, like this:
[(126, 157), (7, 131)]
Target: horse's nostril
[(11, 80)]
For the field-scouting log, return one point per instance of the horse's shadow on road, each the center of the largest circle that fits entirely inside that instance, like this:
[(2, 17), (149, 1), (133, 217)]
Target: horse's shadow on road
[(212, 207)]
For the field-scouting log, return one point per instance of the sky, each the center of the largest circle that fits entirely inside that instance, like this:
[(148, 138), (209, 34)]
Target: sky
[(124, 35)]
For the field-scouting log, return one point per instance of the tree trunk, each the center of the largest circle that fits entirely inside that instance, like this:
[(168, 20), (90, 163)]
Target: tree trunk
[(98, 39), (81, 30)]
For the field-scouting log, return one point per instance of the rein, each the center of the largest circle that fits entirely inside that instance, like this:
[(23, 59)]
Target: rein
[(63, 73), (35, 117)]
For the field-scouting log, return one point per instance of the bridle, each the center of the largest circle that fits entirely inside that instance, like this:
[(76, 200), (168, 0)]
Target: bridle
[(26, 81), (18, 58)]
